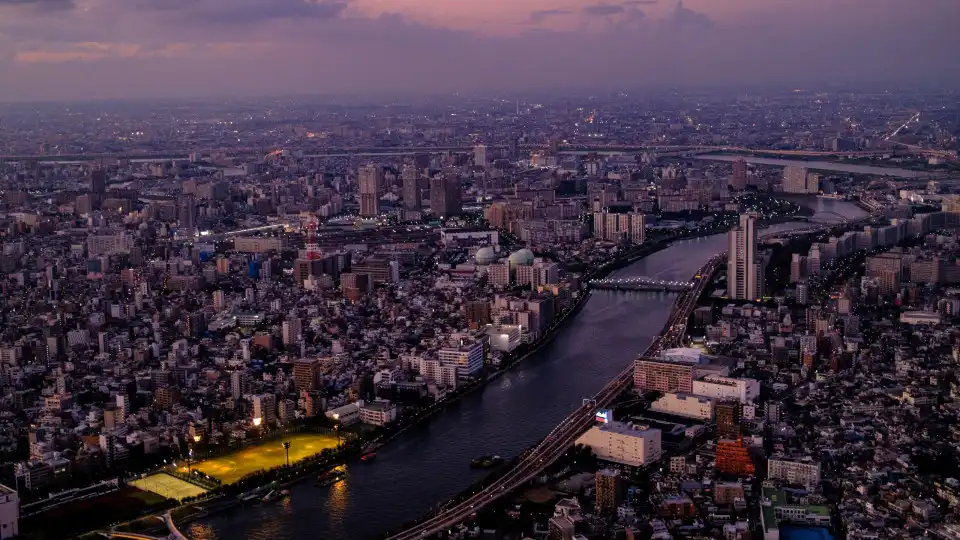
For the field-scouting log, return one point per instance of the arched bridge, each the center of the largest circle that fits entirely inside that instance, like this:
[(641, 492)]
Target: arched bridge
[(640, 284)]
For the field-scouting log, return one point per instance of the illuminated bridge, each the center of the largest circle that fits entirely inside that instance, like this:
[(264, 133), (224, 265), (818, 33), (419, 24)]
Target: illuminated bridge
[(640, 284)]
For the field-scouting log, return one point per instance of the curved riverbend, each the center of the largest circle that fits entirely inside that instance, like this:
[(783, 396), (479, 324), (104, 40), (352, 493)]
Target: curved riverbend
[(430, 462)]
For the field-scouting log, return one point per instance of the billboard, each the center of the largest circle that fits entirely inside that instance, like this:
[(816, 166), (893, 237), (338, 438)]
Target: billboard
[(604, 416)]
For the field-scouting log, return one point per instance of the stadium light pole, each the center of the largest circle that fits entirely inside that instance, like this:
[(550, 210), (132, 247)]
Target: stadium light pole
[(286, 448)]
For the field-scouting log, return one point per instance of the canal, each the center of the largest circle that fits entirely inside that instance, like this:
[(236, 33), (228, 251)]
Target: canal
[(430, 463)]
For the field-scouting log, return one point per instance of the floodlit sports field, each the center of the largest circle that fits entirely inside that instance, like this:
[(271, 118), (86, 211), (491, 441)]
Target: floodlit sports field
[(168, 486), (233, 467)]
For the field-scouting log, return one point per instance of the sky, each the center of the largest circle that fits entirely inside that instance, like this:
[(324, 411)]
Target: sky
[(94, 49)]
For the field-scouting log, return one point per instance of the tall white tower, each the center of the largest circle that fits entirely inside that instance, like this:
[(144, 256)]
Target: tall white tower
[(744, 270)]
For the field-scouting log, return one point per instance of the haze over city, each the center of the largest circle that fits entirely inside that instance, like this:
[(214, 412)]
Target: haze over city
[(83, 49), (463, 269)]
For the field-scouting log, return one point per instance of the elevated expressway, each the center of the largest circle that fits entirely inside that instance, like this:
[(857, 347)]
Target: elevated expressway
[(558, 441), (565, 434)]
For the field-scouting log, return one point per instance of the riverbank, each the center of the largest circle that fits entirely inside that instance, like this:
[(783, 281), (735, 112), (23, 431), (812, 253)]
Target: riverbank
[(227, 502)]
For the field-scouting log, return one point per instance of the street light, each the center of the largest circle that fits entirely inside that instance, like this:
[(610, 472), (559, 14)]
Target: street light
[(286, 448)]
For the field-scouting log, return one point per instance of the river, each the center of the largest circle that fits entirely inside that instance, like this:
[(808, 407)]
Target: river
[(430, 463), (824, 166)]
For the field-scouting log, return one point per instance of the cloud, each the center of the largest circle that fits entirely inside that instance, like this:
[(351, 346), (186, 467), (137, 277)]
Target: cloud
[(39, 5), (78, 52), (144, 47), (602, 10), (544, 14), (684, 17)]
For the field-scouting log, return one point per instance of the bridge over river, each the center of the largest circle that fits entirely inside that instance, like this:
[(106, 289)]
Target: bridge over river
[(641, 283)]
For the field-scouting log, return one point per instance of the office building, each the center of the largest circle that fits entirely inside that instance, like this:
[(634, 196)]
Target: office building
[(744, 269), (804, 472), (445, 196), (739, 180), (264, 409), (370, 179), (609, 490), (626, 444), (466, 357), (799, 180)]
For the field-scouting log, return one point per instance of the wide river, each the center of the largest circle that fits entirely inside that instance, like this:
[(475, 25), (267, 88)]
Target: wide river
[(837, 166), (430, 463)]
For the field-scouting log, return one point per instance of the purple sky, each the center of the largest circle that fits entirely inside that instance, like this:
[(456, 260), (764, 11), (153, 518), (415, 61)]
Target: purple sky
[(80, 49)]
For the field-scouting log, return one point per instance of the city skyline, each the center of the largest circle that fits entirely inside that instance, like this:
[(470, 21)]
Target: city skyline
[(91, 49)]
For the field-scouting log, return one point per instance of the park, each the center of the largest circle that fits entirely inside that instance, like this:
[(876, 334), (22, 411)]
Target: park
[(232, 467)]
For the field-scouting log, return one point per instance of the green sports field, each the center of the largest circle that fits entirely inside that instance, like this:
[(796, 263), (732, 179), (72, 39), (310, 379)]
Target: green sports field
[(168, 486), (232, 467)]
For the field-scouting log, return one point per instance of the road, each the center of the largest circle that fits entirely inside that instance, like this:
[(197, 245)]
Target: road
[(559, 441)]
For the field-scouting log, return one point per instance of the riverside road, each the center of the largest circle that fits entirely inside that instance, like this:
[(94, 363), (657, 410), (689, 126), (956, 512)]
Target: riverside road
[(430, 463)]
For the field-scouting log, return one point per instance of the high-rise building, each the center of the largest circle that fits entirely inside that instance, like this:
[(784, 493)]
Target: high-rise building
[(480, 155), (733, 457), (727, 414), (238, 384), (98, 181), (412, 197), (445, 196), (616, 227), (291, 331), (609, 490), (744, 268), (468, 358), (264, 409), (739, 181), (796, 180), (187, 212), (370, 179), (305, 375)]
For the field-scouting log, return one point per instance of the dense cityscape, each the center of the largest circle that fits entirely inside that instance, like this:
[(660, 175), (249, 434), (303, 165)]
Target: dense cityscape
[(581, 317)]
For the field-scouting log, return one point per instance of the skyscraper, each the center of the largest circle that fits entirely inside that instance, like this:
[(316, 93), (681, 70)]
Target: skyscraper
[(744, 269), (445, 196), (411, 188), (187, 212), (370, 179), (98, 181), (480, 155), (739, 181)]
